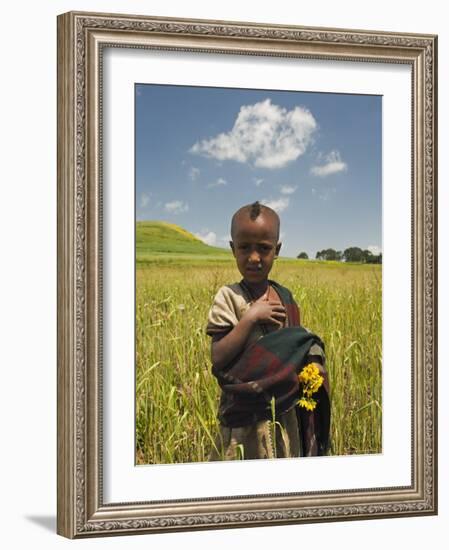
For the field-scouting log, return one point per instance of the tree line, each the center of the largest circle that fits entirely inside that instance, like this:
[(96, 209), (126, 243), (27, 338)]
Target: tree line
[(352, 254)]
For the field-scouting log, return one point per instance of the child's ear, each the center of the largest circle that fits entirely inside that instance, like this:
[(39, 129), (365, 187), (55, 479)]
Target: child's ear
[(231, 244), (278, 248)]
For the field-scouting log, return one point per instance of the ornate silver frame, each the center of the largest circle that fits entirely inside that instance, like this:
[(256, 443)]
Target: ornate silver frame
[(81, 37)]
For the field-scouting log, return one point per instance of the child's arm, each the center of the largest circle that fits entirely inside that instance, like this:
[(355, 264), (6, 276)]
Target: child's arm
[(228, 347)]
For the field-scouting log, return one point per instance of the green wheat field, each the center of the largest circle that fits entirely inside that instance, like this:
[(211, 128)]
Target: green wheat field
[(177, 277)]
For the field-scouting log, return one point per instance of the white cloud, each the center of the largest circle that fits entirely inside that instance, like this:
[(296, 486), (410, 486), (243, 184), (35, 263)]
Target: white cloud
[(279, 205), (324, 194), (144, 199), (257, 181), (208, 237), (333, 164), (327, 194), (374, 249), (218, 183), (176, 207), (194, 173), (266, 135), (288, 189)]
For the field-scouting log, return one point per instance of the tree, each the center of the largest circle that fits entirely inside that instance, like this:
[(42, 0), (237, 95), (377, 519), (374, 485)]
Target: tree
[(329, 254), (302, 256), (373, 259), (367, 256), (351, 254), (354, 254)]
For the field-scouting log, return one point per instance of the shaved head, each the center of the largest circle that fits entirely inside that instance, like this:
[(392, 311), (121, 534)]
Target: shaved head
[(252, 212)]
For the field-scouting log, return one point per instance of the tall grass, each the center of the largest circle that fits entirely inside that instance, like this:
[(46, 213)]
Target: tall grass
[(176, 394)]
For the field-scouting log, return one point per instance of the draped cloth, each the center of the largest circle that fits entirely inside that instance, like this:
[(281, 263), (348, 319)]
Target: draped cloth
[(263, 378)]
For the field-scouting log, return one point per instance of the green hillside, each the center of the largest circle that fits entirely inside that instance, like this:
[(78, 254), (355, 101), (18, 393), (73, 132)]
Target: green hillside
[(163, 241)]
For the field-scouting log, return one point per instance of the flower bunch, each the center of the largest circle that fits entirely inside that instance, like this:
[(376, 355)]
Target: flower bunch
[(310, 380)]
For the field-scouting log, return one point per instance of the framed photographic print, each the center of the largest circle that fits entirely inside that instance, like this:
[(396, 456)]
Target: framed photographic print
[(166, 128)]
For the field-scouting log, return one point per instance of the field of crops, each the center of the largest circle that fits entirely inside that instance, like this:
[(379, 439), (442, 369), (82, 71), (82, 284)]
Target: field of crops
[(176, 394)]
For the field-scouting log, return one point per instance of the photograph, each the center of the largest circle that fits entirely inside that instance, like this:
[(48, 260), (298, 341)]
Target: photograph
[(224, 230), (258, 274), (246, 274)]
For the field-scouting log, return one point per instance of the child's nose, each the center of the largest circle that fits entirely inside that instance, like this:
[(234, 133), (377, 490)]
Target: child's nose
[(254, 256)]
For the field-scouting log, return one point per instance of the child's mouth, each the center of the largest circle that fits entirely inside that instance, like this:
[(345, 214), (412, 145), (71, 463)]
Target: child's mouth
[(254, 269)]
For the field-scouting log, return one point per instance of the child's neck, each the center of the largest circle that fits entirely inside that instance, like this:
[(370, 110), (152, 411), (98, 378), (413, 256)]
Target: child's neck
[(257, 289)]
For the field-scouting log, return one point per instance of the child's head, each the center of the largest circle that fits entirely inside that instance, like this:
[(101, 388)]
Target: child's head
[(255, 235)]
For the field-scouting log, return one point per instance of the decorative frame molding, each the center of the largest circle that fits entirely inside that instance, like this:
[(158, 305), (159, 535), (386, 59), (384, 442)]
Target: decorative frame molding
[(81, 38)]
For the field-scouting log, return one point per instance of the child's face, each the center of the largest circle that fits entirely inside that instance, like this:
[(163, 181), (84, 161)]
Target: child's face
[(255, 247)]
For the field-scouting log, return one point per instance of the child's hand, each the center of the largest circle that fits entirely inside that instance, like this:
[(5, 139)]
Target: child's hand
[(264, 311)]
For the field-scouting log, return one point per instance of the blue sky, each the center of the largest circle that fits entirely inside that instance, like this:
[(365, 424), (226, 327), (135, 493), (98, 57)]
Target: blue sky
[(202, 153)]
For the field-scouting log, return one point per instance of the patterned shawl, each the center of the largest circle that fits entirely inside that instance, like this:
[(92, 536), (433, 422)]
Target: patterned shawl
[(270, 368)]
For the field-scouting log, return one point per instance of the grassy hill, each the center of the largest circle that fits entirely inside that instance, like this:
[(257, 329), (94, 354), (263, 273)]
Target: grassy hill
[(158, 241)]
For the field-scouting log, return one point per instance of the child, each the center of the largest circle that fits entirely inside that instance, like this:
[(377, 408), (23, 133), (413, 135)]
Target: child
[(256, 363)]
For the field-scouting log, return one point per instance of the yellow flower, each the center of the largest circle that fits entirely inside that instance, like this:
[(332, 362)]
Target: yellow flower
[(311, 381), (308, 404)]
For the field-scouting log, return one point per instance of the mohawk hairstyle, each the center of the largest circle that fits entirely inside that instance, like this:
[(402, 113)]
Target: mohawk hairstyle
[(254, 210)]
